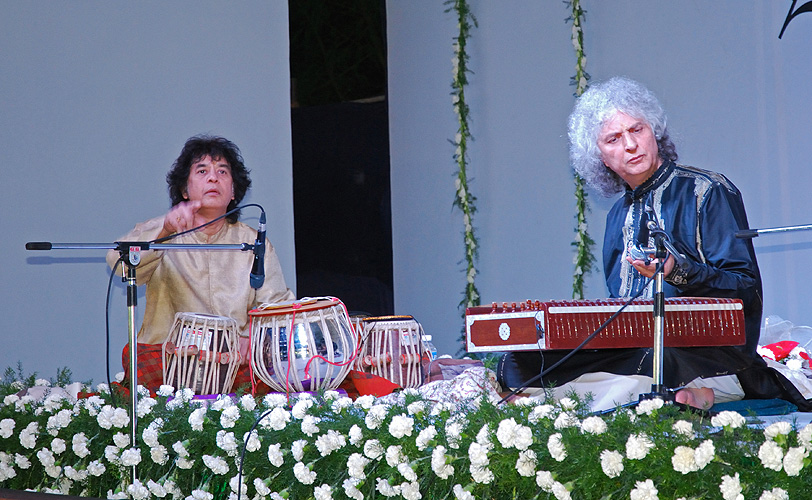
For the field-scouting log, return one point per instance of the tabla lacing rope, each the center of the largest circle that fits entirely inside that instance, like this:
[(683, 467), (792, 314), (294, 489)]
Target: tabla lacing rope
[(333, 363)]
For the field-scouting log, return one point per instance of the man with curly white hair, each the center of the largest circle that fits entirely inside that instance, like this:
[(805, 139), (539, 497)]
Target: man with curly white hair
[(619, 144)]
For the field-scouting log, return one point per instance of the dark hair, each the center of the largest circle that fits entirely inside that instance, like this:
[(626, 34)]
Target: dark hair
[(217, 148)]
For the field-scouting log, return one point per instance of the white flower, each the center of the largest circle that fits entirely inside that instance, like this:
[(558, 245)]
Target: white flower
[(482, 475), (771, 455), (310, 425), (649, 406), (593, 425), (565, 419), (774, 494), (165, 391), (275, 400), (478, 455), (227, 442), (299, 410), (58, 446), (611, 463), (386, 489), (6, 428), (277, 420), (229, 417), (341, 404), (407, 472), (373, 449), (96, 468), (731, 488), (121, 440), (355, 466), (411, 491), (351, 489), (110, 417), (731, 419), (684, 428), (777, 429), (561, 492), (252, 442), (275, 455), (46, 457), (638, 446), (683, 460), (375, 416), (196, 419), (247, 402), (323, 492), (303, 473), (556, 447), (297, 449), (75, 475), (215, 464), (425, 436), (28, 436), (400, 426), (461, 493), (794, 460), (22, 461), (159, 454), (805, 437), (416, 408), (526, 463), (365, 402), (394, 455), (200, 494), (330, 442), (356, 435), (644, 490), (180, 449), (59, 421), (704, 453), (439, 463), (510, 434), (453, 431), (130, 457), (540, 412), (138, 491), (145, 406)]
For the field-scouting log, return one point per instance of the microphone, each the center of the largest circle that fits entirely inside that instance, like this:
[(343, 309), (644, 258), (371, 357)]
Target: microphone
[(258, 269)]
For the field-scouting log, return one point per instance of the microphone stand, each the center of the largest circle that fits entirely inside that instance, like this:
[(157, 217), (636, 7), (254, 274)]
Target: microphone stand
[(754, 233), (130, 252), (658, 389)]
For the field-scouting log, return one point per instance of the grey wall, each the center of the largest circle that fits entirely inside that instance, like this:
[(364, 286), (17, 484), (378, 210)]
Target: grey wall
[(738, 101), (96, 101)]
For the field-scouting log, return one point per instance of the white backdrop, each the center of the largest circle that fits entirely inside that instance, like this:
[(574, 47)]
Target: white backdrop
[(738, 101), (96, 101)]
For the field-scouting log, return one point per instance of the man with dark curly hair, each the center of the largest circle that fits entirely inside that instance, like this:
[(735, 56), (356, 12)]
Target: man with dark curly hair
[(206, 183)]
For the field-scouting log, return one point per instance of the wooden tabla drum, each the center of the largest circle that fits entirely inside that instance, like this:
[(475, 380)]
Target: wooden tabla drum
[(322, 344), (391, 347), (202, 353)]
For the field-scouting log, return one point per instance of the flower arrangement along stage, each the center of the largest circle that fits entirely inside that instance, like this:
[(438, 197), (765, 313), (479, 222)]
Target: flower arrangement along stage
[(400, 446)]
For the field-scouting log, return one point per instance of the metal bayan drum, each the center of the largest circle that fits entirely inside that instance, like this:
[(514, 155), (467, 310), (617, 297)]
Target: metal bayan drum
[(202, 353), (321, 347), (391, 347)]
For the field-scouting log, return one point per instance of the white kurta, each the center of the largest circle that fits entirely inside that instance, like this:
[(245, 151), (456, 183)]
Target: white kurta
[(201, 281)]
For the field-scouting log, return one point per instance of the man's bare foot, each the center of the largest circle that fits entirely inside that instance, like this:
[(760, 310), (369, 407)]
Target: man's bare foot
[(701, 397)]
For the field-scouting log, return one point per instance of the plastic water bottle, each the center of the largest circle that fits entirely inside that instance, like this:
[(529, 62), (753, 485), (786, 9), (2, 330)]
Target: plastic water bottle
[(429, 351)]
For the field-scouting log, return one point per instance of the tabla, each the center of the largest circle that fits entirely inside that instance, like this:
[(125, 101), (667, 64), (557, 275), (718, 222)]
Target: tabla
[(322, 344), (391, 347), (201, 353)]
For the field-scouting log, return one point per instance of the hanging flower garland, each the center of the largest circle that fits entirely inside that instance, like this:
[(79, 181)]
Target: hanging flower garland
[(584, 260), (464, 200)]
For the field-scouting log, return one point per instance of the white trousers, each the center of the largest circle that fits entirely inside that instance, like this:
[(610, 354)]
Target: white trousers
[(608, 390)]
